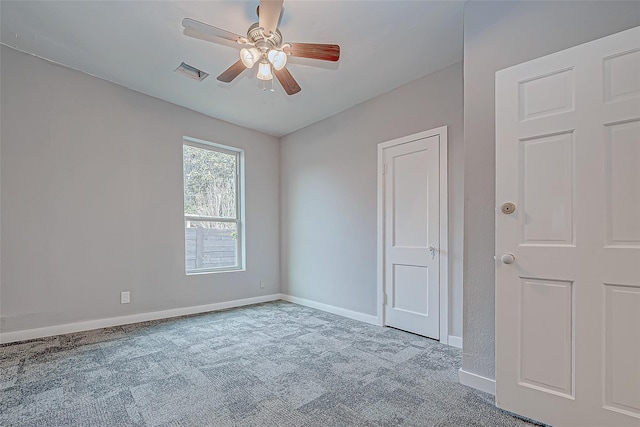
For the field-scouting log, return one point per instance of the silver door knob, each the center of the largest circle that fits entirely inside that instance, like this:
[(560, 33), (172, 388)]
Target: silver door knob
[(433, 250), (508, 258)]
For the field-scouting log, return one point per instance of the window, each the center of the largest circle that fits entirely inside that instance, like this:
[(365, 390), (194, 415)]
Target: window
[(213, 206)]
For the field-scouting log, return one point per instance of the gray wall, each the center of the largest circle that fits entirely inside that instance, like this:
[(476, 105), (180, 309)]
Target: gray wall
[(328, 193), (91, 193), (498, 35)]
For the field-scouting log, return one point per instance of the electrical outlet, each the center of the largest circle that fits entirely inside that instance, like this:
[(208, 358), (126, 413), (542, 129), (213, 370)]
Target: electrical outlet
[(125, 297), (261, 285)]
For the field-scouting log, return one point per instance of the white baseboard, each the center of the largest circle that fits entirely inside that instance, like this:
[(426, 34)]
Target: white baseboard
[(476, 381), (355, 315), (29, 334), (454, 341)]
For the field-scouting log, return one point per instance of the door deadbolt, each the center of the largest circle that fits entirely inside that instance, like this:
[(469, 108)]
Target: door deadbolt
[(508, 208)]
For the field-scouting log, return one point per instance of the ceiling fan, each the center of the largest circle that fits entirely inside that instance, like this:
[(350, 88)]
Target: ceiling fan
[(263, 46)]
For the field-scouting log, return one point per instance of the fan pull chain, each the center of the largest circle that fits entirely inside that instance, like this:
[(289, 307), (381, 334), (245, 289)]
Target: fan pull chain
[(264, 86)]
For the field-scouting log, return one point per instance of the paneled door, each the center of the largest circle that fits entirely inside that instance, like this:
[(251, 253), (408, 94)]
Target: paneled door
[(568, 235), (411, 206)]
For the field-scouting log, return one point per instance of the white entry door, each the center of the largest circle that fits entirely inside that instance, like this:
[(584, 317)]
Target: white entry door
[(411, 211), (568, 256)]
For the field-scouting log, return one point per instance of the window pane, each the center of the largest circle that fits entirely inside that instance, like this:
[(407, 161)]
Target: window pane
[(209, 183), (210, 245)]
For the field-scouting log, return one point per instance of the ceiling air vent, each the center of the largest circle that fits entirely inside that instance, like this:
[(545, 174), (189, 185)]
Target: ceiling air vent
[(191, 72)]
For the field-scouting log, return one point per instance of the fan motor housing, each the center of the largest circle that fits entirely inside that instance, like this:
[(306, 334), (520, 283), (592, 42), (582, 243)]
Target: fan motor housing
[(255, 35)]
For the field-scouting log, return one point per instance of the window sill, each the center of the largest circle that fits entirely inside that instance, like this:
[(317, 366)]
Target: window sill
[(226, 270)]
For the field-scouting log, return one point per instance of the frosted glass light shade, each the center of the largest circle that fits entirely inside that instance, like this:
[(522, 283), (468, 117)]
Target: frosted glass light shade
[(278, 58), (264, 71), (249, 56)]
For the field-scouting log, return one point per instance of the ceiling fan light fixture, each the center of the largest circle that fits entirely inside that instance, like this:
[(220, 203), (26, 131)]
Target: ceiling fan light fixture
[(264, 45), (278, 58), (264, 71), (249, 56)]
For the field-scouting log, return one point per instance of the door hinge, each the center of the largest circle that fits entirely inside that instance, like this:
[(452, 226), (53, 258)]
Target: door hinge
[(384, 169), (384, 299)]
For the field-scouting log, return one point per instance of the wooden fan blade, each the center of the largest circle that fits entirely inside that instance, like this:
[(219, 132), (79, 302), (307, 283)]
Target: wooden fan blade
[(287, 81), (269, 14), (200, 30), (324, 52), (232, 72)]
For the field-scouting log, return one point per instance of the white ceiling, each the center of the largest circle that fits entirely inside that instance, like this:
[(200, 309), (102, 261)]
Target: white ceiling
[(138, 44)]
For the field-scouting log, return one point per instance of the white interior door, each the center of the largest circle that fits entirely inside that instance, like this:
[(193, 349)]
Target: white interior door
[(411, 235), (568, 300)]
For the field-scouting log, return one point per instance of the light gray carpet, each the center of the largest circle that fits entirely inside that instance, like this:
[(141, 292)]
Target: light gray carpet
[(274, 364)]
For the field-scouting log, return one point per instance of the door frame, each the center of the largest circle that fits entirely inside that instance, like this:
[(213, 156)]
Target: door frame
[(441, 132)]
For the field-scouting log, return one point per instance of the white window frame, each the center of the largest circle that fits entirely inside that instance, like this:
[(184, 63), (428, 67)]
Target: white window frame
[(239, 220)]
